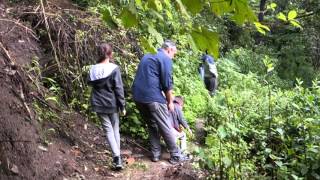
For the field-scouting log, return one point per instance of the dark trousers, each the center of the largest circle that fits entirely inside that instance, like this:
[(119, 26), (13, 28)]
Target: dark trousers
[(156, 116), (211, 84)]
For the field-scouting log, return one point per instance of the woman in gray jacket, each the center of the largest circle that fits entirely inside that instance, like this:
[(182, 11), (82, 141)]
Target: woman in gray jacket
[(107, 98)]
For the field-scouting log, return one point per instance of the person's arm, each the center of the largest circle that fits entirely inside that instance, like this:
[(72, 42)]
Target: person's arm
[(118, 90), (201, 71), (181, 118), (169, 97), (167, 82), (88, 80)]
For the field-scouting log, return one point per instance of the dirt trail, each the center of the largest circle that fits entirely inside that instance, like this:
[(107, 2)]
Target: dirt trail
[(91, 158)]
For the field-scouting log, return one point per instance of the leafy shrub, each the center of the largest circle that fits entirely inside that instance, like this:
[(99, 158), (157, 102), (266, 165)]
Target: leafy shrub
[(257, 130)]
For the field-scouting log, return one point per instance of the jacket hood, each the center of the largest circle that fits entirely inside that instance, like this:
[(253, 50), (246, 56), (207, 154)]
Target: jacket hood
[(207, 58), (101, 71)]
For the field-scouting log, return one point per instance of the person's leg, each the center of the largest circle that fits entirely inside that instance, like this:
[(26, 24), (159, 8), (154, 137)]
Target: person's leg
[(215, 86), (115, 125), (207, 83), (176, 135), (114, 119), (160, 115), (107, 126), (210, 84), (183, 141), (154, 136)]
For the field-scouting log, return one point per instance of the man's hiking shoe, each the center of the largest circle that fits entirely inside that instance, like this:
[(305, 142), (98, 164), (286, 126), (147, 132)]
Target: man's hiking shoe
[(117, 163), (187, 156), (178, 159), (155, 159)]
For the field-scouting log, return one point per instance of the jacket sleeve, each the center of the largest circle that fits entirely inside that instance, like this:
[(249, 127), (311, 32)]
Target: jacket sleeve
[(181, 118), (166, 78), (201, 71), (88, 80), (118, 89)]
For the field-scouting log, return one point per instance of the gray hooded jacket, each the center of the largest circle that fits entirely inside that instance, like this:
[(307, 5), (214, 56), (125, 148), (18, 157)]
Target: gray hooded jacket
[(107, 93)]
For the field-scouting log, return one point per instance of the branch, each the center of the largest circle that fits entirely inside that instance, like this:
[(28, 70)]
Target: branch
[(21, 25), (308, 14), (140, 146), (21, 96), (46, 104), (262, 10), (50, 39), (7, 55), (14, 141)]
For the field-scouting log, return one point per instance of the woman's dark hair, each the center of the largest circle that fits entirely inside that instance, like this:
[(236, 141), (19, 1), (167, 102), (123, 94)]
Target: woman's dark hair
[(104, 51)]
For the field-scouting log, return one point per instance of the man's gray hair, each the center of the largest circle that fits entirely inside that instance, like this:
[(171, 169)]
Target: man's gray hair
[(168, 44)]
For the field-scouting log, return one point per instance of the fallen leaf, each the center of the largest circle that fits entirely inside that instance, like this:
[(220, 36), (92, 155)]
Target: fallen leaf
[(14, 169), (42, 148)]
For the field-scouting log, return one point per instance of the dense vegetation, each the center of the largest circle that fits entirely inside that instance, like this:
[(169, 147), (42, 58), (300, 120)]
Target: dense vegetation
[(264, 121)]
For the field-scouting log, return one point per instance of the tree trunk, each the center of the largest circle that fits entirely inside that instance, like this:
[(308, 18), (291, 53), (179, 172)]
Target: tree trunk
[(262, 8)]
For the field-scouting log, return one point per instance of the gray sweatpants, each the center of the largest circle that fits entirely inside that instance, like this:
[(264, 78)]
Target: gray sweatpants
[(157, 117), (110, 125)]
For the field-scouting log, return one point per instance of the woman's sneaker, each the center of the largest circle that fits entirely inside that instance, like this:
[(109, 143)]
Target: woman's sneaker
[(155, 159), (178, 159), (117, 163)]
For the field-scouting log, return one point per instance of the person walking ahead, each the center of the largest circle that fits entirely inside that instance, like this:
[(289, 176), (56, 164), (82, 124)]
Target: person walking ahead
[(107, 98), (153, 78), (209, 74)]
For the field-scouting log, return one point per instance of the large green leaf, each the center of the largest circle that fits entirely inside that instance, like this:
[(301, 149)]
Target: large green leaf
[(292, 14), (261, 28), (180, 7), (107, 16), (295, 23), (147, 45), (139, 3), (240, 9), (128, 18), (282, 17), (156, 14), (222, 132), (243, 12), (194, 6), (272, 6), (226, 161), (220, 7), (154, 33), (155, 4), (206, 40)]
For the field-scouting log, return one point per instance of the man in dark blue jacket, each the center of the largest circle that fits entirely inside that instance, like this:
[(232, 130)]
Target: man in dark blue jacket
[(153, 80)]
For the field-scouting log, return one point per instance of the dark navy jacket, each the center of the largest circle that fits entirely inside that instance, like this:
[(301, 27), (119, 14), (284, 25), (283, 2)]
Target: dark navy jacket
[(154, 76), (107, 93)]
